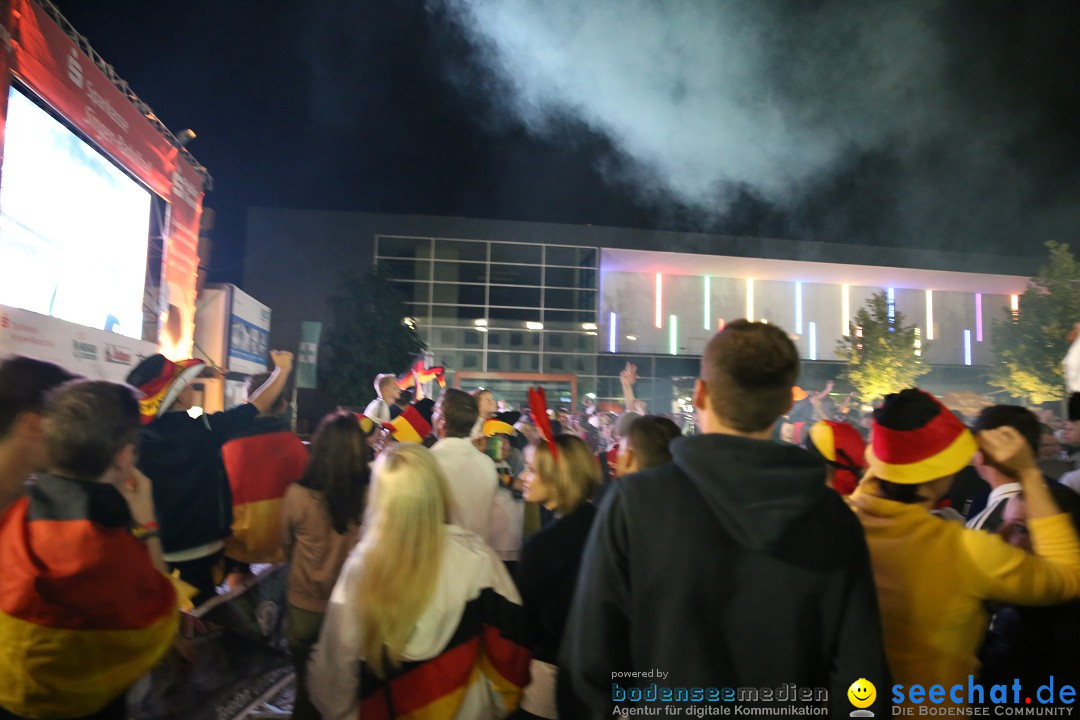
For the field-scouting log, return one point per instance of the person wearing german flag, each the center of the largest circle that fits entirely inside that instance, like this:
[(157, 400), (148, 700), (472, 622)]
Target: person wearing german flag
[(182, 456), (85, 606)]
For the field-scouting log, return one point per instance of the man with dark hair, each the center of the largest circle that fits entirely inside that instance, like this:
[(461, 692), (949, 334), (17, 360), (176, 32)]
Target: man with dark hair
[(470, 473), (182, 456), (646, 444), (734, 565), (1003, 487), (85, 607), (24, 383)]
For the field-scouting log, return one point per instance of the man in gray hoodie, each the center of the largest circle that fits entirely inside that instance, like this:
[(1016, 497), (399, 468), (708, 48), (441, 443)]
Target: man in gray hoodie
[(732, 575)]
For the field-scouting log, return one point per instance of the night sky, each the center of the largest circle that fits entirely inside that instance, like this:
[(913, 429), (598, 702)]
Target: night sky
[(943, 125)]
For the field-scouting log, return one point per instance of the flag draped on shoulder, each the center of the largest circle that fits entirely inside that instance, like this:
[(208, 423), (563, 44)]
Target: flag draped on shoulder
[(83, 611)]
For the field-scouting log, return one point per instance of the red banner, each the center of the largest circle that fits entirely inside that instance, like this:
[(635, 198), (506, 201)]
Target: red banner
[(48, 62)]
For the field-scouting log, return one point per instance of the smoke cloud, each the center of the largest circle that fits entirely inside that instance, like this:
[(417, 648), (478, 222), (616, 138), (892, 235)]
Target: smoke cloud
[(894, 121)]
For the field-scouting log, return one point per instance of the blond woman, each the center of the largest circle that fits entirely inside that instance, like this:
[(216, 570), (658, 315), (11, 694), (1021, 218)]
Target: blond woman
[(562, 482), (424, 619)]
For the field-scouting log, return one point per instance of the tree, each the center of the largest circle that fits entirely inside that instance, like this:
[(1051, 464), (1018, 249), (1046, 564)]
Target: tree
[(1031, 344), (368, 336), (880, 351)]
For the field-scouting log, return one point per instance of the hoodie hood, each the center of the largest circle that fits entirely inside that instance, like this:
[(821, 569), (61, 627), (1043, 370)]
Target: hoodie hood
[(756, 488)]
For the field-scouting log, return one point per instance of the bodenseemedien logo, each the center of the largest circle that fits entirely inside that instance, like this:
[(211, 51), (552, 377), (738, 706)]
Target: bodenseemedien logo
[(862, 694)]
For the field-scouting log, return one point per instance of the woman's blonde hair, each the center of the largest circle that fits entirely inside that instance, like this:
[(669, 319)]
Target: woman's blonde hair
[(575, 475), (400, 552)]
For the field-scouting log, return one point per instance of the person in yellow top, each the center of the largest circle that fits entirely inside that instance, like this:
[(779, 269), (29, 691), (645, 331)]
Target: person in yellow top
[(933, 576)]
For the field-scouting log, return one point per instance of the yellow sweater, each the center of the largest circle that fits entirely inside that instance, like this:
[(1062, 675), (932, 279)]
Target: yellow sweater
[(933, 577)]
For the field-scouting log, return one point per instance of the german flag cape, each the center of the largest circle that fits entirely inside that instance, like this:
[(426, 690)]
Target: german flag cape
[(83, 611), (260, 468)]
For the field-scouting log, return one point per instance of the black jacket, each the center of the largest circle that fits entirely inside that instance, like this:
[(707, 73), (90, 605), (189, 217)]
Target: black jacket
[(732, 567), (182, 458)]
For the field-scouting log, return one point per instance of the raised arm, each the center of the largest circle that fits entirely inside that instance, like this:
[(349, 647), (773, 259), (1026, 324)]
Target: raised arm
[(1009, 574), (265, 397), (627, 378)]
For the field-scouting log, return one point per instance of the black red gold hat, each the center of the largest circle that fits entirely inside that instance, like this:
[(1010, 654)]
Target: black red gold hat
[(160, 382), (414, 422), (841, 446), (916, 439), (495, 426)]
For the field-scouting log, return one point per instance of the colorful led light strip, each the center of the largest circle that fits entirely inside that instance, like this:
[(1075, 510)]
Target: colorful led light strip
[(892, 309), (813, 341), (967, 347), (613, 329), (798, 308), (750, 299), (978, 317), (659, 300), (929, 314), (673, 335), (845, 309), (708, 295)]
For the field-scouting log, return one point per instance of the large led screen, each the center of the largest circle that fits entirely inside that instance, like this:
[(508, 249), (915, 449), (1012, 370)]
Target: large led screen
[(74, 228)]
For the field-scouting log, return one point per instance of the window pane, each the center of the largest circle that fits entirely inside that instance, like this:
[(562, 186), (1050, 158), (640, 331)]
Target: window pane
[(570, 277), (471, 361), (412, 292), (584, 364), (514, 340), (448, 358), (565, 320), (403, 247), (406, 269), (513, 362), (515, 253), (569, 342), (515, 275), (554, 363), (455, 315), (521, 297), (574, 257), (461, 250), (570, 299), (459, 294), (461, 272), (502, 316)]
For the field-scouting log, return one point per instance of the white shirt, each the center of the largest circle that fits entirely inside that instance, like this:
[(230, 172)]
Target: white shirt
[(998, 495), (1071, 480), (473, 483), (378, 410), (1072, 367), (468, 567)]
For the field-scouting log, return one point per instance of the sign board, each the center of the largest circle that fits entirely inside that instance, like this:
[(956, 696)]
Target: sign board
[(307, 359), (249, 334), (92, 353)]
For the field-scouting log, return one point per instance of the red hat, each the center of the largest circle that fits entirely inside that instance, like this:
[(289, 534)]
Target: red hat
[(841, 446), (160, 381), (916, 439)]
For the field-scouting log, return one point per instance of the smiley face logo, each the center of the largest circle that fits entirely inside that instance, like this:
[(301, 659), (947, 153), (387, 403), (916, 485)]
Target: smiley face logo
[(862, 693)]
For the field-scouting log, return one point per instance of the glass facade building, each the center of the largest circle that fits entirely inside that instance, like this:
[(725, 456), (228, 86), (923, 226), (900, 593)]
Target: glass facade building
[(499, 307), (506, 304)]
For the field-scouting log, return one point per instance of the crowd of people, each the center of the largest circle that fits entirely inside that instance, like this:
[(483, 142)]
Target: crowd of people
[(451, 558)]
